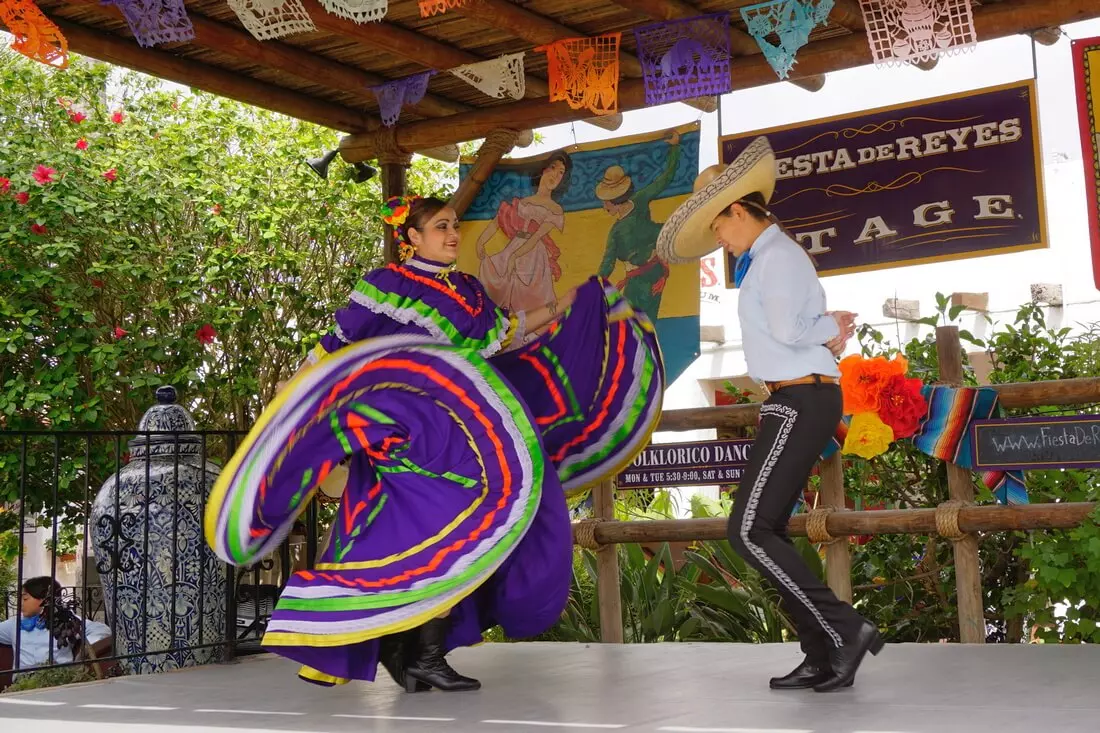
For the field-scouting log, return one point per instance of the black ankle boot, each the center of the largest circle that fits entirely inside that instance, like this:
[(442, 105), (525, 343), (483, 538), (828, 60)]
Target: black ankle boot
[(430, 667), (804, 676), (395, 654), (845, 660)]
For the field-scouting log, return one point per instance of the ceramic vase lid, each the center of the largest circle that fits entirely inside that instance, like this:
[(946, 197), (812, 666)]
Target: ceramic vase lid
[(166, 416)]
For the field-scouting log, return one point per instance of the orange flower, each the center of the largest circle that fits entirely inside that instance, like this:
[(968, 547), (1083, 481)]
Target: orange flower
[(862, 380)]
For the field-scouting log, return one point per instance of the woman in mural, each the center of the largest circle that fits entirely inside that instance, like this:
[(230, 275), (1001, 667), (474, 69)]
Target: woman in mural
[(522, 275), (633, 237), (462, 436)]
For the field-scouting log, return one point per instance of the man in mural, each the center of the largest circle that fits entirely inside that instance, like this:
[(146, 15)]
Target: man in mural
[(633, 237)]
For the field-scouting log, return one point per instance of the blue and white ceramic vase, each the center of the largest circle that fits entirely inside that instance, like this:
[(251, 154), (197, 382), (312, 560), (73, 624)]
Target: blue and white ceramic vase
[(164, 589)]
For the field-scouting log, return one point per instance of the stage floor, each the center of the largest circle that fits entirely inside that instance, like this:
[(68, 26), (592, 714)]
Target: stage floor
[(660, 688)]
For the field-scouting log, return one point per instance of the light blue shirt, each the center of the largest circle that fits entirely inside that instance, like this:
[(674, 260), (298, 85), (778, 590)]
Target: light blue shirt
[(781, 307), (34, 645)]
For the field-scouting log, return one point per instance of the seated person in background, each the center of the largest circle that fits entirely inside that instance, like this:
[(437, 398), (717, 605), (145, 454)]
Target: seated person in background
[(46, 618)]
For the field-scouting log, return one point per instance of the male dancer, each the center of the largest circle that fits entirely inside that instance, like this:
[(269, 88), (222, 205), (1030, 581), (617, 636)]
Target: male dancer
[(791, 343)]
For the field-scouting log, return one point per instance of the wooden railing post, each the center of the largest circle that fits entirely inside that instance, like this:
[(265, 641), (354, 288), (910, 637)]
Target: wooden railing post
[(960, 486), (838, 558), (607, 567)]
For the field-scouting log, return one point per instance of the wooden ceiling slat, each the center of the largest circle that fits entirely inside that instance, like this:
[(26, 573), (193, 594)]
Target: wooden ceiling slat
[(288, 59), (122, 52), (405, 44)]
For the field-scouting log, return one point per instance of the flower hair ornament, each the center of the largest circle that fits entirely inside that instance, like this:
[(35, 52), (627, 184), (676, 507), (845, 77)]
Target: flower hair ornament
[(395, 212)]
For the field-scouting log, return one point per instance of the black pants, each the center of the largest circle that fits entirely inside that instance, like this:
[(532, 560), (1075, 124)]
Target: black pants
[(795, 426)]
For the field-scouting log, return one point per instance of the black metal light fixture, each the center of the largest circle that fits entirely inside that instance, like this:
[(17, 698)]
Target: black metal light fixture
[(320, 165), (362, 171)]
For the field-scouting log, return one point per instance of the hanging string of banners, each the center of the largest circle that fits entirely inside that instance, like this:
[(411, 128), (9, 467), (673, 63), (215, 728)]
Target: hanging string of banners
[(681, 59)]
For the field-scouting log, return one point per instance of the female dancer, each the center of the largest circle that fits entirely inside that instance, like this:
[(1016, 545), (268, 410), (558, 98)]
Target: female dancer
[(462, 436)]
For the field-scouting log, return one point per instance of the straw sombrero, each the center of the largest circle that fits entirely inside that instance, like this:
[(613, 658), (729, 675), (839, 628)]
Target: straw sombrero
[(686, 235), (614, 184)]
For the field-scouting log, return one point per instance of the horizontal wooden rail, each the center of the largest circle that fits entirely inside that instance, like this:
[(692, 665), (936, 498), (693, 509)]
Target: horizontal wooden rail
[(1059, 393), (993, 518)]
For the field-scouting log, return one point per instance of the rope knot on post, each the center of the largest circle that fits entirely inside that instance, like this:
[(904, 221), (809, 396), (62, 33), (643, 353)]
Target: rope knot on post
[(947, 519), (816, 526), (584, 533)]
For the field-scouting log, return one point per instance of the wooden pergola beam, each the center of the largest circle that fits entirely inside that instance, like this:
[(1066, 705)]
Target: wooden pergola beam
[(122, 52), (848, 14), (289, 59), (741, 43), (991, 21)]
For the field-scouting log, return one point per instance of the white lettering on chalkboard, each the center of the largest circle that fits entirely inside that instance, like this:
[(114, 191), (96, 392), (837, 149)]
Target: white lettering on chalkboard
[(1048, 437)]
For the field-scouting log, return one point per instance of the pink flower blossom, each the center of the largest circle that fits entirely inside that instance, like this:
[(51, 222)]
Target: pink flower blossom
[(5, 185), (118, 117), (81, 144), (43, 175), (119, 332), (22, 198), (77, 117), (111, 175), (39, 229)]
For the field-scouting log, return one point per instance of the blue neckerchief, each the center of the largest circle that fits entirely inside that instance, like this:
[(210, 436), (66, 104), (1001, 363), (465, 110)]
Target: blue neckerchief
[(31, 623), (741, 269)]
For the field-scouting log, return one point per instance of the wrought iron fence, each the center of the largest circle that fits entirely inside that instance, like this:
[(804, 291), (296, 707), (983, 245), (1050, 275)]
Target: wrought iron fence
[(122, 533)]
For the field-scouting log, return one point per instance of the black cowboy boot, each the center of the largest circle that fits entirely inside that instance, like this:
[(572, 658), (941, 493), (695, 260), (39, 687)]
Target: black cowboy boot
[(394, 655), (430, 667), (845, 660), (805, 675)]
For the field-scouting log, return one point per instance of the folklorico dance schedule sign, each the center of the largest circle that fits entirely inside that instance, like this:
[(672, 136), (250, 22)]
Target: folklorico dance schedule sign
[(701, 463), (1086, 72), (942, 179)]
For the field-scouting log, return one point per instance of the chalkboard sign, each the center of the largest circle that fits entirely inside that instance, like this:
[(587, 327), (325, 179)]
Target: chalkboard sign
[(1071, 441)]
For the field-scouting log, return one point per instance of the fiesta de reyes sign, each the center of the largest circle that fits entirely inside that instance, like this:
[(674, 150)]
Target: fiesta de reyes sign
[(942, 179)]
